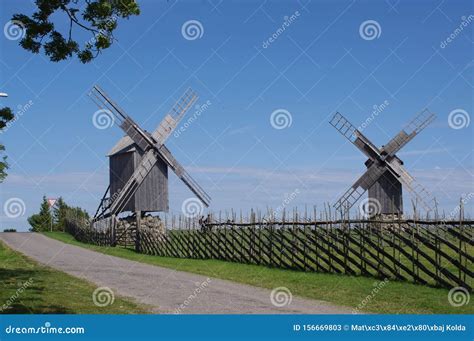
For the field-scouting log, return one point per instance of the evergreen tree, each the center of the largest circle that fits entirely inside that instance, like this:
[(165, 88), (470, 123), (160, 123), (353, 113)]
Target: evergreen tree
[(42, 220), (59, 214)]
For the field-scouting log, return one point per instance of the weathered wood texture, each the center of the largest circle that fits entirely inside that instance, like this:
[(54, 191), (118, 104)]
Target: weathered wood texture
[(152, 195), (438, 254), (387, 191)]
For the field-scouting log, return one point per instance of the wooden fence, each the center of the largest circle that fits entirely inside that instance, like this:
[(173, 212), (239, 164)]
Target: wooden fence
[(426, 252), (80, 229)]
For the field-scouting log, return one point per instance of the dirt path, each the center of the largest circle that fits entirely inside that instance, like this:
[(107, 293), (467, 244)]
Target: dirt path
[(164, 289)]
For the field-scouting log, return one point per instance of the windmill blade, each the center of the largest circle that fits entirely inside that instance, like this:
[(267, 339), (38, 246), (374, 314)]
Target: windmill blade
[(420, 122), (174, 116), (353, 194), (183, 175), (129, 126), (414, 187), (146, 164), (351, 133)]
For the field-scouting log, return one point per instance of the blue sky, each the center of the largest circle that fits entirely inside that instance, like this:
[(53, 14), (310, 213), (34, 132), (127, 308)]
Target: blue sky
[(318, 65)]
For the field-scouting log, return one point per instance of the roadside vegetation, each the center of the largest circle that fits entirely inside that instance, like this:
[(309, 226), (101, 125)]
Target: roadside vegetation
[(27, 287)]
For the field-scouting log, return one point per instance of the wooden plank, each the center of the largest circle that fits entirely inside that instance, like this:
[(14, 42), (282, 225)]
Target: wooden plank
[(416, 261)]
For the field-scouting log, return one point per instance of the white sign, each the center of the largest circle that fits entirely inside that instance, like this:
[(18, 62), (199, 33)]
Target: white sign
[(51, 202)]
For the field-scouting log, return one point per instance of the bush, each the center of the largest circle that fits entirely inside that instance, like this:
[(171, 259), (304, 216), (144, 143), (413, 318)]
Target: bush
[(9, 230)]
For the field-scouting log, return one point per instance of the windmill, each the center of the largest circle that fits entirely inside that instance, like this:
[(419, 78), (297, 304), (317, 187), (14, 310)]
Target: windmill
[(385, 173), (139, 163)]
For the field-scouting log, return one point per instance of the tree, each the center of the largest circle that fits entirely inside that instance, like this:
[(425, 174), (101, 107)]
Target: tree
[(97, 17), (46, 220), (6, 116), (42, 220), (78, 214), (60, 214)]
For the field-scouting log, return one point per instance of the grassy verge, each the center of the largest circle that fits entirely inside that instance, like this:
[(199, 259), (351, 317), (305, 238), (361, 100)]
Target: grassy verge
[(394, 297), (29, 288)]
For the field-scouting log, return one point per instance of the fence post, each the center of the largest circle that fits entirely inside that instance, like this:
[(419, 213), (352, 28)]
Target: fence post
[(137, 233), (113, 242)]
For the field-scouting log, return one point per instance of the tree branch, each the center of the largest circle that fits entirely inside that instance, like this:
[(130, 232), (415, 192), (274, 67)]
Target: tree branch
[(71, 16)]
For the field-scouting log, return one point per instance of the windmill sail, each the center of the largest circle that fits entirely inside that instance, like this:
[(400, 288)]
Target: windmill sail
[(351, 133), (174, 116), (129, 126), (420, 122), (184, 176), (414, 187), (353, 194)]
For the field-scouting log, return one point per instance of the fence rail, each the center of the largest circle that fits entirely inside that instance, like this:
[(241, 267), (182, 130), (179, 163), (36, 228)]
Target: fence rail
[(435, 253)]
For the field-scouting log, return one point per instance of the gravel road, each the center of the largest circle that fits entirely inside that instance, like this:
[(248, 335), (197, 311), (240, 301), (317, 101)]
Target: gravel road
[(165, 290)]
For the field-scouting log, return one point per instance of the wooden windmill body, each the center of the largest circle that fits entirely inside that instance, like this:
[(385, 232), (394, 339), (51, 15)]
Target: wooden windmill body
[(386, 176), (152, 194), (140, 162)]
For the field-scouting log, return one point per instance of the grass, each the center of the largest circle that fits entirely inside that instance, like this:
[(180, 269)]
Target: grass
[(407, 262), (27, 287), (395, 297)]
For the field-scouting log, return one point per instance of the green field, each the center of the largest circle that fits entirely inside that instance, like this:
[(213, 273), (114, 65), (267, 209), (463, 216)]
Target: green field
[(395, 297), (29, 288)]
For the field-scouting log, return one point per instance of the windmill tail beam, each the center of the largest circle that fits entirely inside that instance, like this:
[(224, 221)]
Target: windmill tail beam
[(102, 206)]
